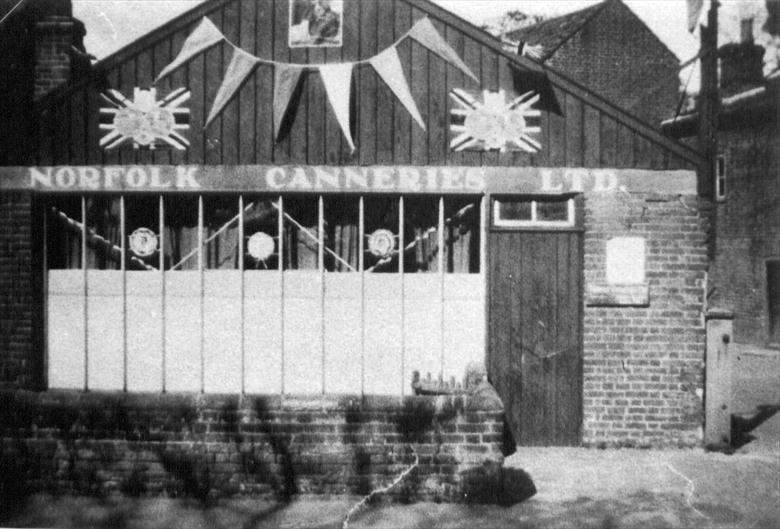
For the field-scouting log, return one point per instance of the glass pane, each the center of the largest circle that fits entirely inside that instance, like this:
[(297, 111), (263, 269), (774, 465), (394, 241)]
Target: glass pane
[(341, 234), (381, 232), (181, 233), (63, 233), (461, 235), (552, 210), (220, 232), (514, 209), (421, 234), (104, 238), (261, 233), (142, 232), (301, 239)]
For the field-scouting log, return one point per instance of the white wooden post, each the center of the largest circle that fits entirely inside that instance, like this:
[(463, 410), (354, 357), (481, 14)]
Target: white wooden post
[(161, 262), (122, 257), (717, 391)]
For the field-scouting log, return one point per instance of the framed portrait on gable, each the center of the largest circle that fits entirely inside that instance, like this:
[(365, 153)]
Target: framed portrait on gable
[(316, 23)]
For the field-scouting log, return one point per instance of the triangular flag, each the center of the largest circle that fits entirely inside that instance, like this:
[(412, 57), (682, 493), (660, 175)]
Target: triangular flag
[(388, 66), (286, 79), (694, 13), (337, 79), (203, 37), (241, 66), (424, 33)]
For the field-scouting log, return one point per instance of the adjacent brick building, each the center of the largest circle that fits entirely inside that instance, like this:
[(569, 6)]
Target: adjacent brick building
[(744, 271), (608, 49), (236, 315)]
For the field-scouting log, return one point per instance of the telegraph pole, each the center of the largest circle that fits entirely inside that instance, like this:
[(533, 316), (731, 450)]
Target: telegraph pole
[(709, 102)]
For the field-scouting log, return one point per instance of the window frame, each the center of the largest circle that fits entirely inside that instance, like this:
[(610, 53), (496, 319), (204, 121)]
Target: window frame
[(571, 221), (721, 187)]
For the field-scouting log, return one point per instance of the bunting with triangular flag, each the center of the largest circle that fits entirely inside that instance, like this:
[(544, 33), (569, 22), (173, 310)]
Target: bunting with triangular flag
[(202, 38), (426, 35), (388, 65), (241, 66), (336, 77), (286, 78)]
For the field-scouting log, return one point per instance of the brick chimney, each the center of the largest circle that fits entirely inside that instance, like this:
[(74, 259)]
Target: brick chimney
[(741, 63), (59, 52)]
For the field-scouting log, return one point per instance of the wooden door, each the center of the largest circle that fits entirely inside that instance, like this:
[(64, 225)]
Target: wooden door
[(535, 333)]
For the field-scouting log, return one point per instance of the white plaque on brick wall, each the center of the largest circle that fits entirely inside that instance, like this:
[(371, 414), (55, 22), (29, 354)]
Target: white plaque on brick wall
[(626, 260)]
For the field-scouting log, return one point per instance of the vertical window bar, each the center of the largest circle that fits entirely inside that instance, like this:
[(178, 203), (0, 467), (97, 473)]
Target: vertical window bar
[(280, 265), (86, 289), (321, 265), (361, 268), (534, 213), (441, 287), (241, 284), (483, 236), (45, 276), (122, 257), (161, 262), (202, 285), (401, 253)]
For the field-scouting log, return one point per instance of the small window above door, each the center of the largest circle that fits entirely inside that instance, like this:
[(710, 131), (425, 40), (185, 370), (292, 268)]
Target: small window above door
[(533, 212)]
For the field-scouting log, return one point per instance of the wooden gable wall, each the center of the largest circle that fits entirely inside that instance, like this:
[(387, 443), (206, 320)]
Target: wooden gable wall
[(592, 133)]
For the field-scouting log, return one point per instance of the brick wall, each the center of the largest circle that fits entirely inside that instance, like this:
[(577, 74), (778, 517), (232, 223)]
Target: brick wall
[(644, 350), (619, 58), (209, 446), (747, 228), (19, 357), (56, 61)]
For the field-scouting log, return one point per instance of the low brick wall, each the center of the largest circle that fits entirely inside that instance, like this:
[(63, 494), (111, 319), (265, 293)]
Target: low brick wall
[(207, 446)]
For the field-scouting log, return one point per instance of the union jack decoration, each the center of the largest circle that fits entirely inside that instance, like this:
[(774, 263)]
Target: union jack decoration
[(145, 121)]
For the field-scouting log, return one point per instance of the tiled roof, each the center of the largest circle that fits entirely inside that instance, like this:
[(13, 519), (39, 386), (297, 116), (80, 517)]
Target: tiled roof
[(553, 32)]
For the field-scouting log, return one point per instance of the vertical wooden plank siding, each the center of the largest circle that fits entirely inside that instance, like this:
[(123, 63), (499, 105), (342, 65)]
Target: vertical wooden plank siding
[(261, 102), (556, 134), (77, 109), (574, 111), (592, 137), (144, 68), (281, 53), (161, 57), (402, 120), (642, 152), (437, 106), (489, 81), (367, 86), (419, 87), (385, 100), (318, 107), (212, 73), (245, 101), (473, 59), (300, 126), (230, 137), (608, 155), (126, 153), (625, 146)]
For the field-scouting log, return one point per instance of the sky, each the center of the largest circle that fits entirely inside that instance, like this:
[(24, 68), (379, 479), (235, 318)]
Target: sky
[(111, 24)]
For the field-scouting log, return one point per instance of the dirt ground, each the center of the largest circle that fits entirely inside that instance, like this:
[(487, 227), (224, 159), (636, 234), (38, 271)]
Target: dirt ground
[(577, 488)]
